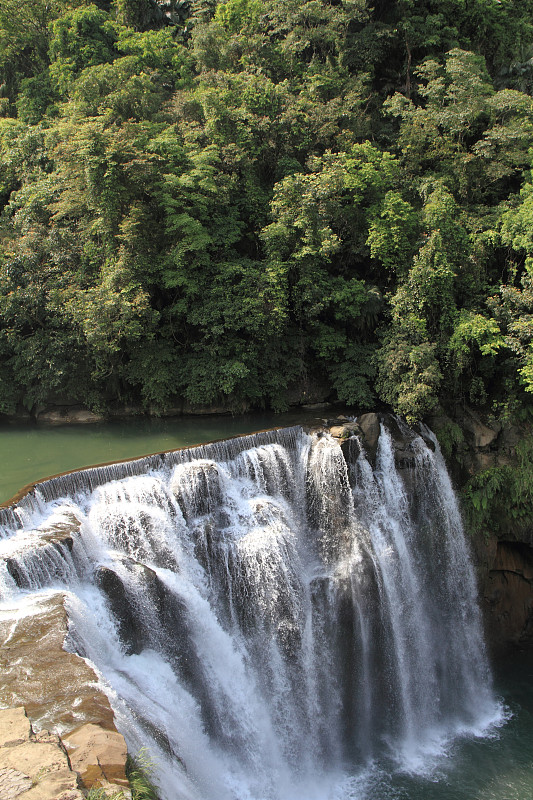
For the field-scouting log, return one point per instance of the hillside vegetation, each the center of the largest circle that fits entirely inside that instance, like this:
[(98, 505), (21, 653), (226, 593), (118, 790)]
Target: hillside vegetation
[(220, 202)]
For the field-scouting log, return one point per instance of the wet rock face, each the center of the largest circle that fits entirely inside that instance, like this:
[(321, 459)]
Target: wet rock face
[(56, 688), (505, 567), (369, 424), (504, 559), (47, 548), (485, 443), (122, 607), (481, 434), (506, 589)]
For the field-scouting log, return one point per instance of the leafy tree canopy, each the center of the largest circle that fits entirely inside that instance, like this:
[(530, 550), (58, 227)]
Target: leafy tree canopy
[(226, 202)]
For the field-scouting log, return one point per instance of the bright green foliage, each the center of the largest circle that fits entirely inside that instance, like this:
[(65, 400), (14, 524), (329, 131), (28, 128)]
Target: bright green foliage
[(139, 771), (474, 139), (392, 235), (409, 376), (450, 437), (474, 330), (239, 15), (80, 39), (498, 30), (97, 793), (500, 499), (517, 223), (317, 246), (424, 308), (220, 202), (24, 41)]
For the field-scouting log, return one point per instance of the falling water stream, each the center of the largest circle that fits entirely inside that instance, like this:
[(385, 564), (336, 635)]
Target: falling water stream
[(272, 617)]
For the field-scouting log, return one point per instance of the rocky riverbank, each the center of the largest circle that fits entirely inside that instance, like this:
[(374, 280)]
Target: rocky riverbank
[(50, 689)]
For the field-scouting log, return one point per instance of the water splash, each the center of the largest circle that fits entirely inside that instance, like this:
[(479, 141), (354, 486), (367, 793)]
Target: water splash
[(271, 615)]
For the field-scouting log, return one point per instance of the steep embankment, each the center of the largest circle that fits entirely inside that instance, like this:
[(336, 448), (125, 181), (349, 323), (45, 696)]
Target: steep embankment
[(492, 467)]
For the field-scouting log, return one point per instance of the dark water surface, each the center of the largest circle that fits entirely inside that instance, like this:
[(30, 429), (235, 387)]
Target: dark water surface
[(501, 768), (30, 452)]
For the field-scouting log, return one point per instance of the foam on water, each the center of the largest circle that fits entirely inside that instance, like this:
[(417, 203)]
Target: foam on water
[(272, 619)]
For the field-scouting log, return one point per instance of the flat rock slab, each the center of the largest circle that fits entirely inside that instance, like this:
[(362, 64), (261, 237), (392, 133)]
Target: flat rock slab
[(59, 691), (98, 756), (13, 782), (15, 727), (33, 766)]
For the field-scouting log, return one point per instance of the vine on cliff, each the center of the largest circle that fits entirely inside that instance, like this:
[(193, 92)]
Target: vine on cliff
[(500, 499)]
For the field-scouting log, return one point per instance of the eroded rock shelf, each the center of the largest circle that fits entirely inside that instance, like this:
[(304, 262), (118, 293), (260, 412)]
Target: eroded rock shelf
[(45, 688)]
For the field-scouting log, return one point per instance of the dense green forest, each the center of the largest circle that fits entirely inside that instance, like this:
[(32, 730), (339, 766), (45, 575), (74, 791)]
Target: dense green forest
[(226, 202)]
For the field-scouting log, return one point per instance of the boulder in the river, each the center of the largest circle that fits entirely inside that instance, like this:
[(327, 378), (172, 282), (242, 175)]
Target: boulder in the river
[(370, 427), (345, 430)]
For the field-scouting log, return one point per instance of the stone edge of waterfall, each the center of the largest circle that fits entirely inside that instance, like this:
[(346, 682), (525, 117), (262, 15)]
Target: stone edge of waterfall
[(88, 478)]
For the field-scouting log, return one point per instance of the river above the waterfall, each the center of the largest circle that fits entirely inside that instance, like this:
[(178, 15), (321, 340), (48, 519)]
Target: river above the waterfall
[(32, 451)]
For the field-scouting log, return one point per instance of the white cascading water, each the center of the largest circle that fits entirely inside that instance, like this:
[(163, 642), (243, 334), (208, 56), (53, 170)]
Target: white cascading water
[(271, 617)]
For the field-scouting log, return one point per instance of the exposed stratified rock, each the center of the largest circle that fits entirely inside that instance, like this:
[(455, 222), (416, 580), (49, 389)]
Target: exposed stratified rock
[(33, 766), (13, 783), (69, 415), (369, 424), (15, 727), (98, 756), (506, 588), (482, 434), (58, 689), (201, 411), (345, 430)]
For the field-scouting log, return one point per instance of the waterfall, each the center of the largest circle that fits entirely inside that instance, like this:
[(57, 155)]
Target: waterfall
[(270, 616)]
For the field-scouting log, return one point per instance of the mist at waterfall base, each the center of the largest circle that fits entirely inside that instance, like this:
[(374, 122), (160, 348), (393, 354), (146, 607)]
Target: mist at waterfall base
[(277, 618)]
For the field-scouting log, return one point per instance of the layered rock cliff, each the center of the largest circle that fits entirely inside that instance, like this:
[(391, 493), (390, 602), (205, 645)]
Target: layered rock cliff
[(53, 690)]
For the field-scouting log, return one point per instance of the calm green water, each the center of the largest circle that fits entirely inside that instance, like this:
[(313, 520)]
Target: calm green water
[(30, 452)]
